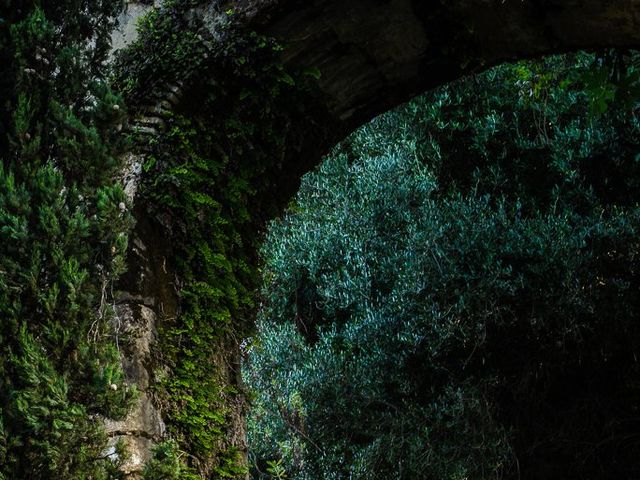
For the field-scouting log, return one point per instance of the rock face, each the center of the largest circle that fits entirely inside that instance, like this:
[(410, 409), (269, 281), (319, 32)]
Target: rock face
[(126, 32)]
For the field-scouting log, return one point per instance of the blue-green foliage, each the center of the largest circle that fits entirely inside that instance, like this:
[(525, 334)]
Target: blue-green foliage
[(454, 292)]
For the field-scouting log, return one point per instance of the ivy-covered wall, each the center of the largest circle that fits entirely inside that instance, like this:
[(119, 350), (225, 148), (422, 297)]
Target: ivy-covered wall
[(70, 318), (226, 120)]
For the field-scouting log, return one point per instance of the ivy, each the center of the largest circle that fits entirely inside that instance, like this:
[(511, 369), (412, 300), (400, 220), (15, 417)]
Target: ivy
[(205, 179)]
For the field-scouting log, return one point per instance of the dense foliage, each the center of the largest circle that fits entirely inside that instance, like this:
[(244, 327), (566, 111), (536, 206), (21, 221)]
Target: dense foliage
[(440, 281), (203, 176), (63, 234), (454, 293)]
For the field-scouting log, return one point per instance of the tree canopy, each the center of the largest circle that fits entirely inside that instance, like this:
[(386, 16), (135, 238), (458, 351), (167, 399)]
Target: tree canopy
[(454, 292)]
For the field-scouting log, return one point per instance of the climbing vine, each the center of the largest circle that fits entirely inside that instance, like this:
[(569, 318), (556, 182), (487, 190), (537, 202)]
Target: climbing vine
[(205, 182)]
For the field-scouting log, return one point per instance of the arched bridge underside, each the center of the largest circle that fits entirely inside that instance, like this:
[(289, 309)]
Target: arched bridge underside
[(366, 56), (374, 54)]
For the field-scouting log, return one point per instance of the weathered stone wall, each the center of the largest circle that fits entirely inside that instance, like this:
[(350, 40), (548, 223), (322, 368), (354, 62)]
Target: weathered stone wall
[(145, 293), (374, 54), (126, 32)]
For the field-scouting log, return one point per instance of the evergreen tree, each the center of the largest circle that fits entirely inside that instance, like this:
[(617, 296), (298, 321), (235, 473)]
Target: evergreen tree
[(63, 233)]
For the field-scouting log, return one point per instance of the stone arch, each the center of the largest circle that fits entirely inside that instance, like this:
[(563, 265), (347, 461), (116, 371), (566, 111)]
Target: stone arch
[(366, 57), (375, 54)]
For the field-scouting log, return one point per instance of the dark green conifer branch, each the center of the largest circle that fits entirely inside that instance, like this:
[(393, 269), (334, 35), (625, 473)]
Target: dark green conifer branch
[(63, 235)]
